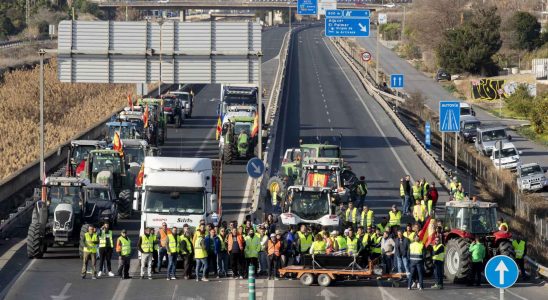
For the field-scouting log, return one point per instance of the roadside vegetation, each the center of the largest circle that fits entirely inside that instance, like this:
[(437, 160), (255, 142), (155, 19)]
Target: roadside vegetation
[(69, 109)]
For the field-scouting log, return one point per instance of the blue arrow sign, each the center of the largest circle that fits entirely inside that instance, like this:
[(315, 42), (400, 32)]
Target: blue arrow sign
[(396, 81), (347, 23), (449, 116), (427, 137), (307, 7), (501, 271), (255, 167)]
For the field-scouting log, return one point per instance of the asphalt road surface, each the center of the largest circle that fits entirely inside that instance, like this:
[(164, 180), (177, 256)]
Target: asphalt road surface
[(323, 99)]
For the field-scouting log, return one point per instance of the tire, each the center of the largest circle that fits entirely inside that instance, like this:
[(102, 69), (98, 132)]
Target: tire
[(35, 241), (307, 279), (82, 239), (506, 248), (458, 261), (124, 204), (428, 262), (228, 153), (324, 280)]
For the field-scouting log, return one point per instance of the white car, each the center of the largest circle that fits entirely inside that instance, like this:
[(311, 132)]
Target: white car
[(507, 158), (531, 178)]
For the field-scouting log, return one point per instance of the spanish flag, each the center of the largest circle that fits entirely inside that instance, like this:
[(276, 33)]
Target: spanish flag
[(117, 144), (140, 176), (255, 128), (129, 101), (317, 180), (145, 116), (426, 235), (219, 128)]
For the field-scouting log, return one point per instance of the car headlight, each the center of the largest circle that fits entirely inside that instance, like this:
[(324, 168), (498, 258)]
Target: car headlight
[(467, 134), (68, 225)]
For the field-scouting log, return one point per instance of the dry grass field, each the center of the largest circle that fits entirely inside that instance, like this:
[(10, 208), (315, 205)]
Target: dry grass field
[(69, 108)]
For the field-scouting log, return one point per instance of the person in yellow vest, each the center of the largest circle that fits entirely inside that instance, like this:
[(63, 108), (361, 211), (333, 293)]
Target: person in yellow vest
[(395, 217), (453, 185), (155, 249), (123, 248), (351, 215), (251, 251), (351, 243), (402, 192), (416, 256), (185, 248), (419, 212), (304, 241), (318, 246), (383, 225), (200, 254), (146, 247), (376, 239), (459, 194), (520, 250), (366, 243), (222, 256), (409, 233), (503, 226), (173, 252), (367, 217), (89, 251), (417, 191), (438, 258), (425, 187), (106, 247), (362, 191)]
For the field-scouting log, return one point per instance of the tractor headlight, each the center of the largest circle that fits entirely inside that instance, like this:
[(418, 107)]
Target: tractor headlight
[(56, 225)]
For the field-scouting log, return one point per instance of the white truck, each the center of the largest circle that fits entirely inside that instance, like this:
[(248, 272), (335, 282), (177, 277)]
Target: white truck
[(181, 191)]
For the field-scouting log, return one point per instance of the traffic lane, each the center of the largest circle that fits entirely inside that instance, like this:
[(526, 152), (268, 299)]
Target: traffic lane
[(272, 42), (416, 81)]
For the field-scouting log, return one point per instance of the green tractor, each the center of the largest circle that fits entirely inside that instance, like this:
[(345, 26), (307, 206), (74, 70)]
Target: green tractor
[(236, 140), (156, 132), (108, 168)]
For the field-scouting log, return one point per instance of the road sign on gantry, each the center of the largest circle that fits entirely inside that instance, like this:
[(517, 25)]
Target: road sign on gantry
[(501, 271), (396, 81), (449, 116), (347, 23), (307, 7)]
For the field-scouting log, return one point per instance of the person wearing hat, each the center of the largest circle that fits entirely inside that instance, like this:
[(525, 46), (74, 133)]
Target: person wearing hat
[(362, 191), (123, 248), (274, 250)]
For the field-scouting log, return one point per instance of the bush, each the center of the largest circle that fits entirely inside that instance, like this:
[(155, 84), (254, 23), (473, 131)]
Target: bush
[(520, 102), (390, 31), (539, 114)]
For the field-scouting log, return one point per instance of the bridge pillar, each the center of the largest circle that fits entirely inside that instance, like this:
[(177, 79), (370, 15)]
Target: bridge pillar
[(182, 15), (270, 18)]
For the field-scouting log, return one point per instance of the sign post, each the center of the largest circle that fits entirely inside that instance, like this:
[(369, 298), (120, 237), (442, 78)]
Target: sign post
[(501, 272), (347, 23), (427, 133), (449, 122), (382, 19)]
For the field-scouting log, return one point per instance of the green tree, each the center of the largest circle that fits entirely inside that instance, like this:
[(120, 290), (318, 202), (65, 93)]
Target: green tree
[(525, 31), (471, 46)]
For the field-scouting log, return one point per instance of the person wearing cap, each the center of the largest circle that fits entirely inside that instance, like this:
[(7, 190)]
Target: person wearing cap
[(362, 191), (274, 250), (162, 251), (146, 246), (123, 248), (186, 251)]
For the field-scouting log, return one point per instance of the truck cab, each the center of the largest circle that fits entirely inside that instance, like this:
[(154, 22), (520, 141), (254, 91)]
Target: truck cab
[(466, 110)]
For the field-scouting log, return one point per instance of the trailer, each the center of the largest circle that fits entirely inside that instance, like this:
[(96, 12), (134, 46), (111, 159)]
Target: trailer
[(325, 276)]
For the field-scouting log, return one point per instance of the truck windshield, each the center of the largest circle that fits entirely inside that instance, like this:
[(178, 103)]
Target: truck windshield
[(245, 126), (110, 162), (470, 126), (465, 111), (98, 194), (125, 132), (330, 152), (64, 194), (526, 171), (505, 152), (240, 100), (474, 220), (80, 153), (493, 135), (174, 202), (134, 154), (309, 205)]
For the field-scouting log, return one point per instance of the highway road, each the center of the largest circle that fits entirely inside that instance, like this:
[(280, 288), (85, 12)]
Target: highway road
[(323, 98), (415, 81)]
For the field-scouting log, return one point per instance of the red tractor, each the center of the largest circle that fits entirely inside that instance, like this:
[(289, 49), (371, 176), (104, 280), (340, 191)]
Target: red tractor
[(466, 220)]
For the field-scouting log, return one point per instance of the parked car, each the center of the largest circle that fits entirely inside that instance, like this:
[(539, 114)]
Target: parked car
[(507, 157), (468, 128), (531, 178), (441, 74), (486, 138)]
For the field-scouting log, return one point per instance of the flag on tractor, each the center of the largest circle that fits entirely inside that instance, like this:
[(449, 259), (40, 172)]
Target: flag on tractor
[(80, 168), (117, 144), (426, 235), (219, 128), (130, 101), (255, 128), (140, 176), (145, 116)]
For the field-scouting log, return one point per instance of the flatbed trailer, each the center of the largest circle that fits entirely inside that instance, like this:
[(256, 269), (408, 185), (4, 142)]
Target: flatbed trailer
[(325, 276)]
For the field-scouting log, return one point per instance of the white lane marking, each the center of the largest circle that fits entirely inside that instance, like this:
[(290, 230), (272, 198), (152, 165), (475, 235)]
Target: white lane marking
[(173, 297), (6, 289), (325, 105), (270, 290), (245, 200), (7, 256), (329, 120), (327, 112), (515, 295), (331, 128), (232, 290), (205, 142), (384, 294), (370, 114), (286, 99), (123, 285), (62, 295)]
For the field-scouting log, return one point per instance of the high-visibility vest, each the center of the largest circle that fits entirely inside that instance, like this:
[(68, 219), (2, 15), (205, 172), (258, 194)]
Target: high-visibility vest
[(368, 219), (223, 245), (90, 246), (199, 251), (519, 248), (452, 186), (415, 251), (352, 245), (252, 246), (416, 192), (304, 241), (274, 248), (395, 218), (353, 219), (459, 196), (425, 188), (125, 249), (366, 240), (173, 243), (409, 235), (419, 212), (362, 188), (505, 224), (441, 256), (319, 247), (188, 249), (381, 227), (341, 241), (103, 239), (402, 191), (430, 203), (147, 243), (376, 239)]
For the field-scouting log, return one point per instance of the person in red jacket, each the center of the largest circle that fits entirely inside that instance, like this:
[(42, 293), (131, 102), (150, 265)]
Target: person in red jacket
[(432, 195)]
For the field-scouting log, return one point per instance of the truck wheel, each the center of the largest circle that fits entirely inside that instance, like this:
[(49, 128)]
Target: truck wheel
[(82, 240), (307, 279), (428, 262), (35, 241), (458, 261), (506, 248), (124, 204), (228, 153), (324, 280)]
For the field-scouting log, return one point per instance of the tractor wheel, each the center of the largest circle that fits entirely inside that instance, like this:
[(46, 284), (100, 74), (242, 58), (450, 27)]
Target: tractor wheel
[(228, 153), (276, 186), (458, 261), (82, 240), (178, 121), (428, 262), (124, 204), (506, 248), (36, 245)]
